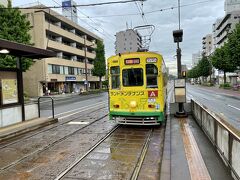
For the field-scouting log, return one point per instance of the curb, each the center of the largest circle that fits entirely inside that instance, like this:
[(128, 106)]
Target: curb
[(24, 127), (165, 172)]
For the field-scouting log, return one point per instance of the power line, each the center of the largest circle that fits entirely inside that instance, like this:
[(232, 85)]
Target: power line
[(155, 11), (82, 5), (89, 24)]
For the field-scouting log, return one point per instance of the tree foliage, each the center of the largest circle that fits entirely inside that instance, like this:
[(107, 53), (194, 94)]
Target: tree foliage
[(234, 47), (14, 27), (203, 68), (221, 60), (99, 62)]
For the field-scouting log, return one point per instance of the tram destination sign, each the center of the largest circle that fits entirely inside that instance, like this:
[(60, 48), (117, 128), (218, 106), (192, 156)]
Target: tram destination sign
[(132, 61)]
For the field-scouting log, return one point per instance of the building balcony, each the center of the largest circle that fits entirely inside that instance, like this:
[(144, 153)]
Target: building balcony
[(68, 49), (61, 32)]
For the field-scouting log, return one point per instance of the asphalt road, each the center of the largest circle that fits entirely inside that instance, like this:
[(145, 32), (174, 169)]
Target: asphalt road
[(73, 103), (224, 105)]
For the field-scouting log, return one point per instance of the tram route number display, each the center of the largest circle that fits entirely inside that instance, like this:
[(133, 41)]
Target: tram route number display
[(152, 93)]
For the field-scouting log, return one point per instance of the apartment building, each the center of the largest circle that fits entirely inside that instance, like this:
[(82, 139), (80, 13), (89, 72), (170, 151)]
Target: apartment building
[(128, 41), (66, 72), (4, 2), (196, 57), (223, 26), (231, 6), (207, 44)]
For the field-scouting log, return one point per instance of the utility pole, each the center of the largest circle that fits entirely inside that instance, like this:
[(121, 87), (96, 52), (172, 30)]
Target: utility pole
[(85, 61), (177, 35)]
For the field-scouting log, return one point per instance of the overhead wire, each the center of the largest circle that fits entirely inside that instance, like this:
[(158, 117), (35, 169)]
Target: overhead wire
[(90, 25)]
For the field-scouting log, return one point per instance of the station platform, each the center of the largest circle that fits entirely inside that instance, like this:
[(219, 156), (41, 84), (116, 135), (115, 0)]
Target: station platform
[(188, 154), (24, 127)]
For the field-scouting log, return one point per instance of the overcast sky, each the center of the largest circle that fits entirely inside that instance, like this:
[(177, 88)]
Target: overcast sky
[(196, 22)]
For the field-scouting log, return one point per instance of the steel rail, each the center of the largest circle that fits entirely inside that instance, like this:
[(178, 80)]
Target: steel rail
[(48, 146), (142, 157), (61, 175), (55, 126)]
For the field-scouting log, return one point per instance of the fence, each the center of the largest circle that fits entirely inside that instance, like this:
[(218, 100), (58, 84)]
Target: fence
[(224, 137)]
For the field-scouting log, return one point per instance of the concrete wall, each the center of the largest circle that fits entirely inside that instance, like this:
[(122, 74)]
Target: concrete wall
[(10, 116), (222, 135), (31, 111), (13, 115)]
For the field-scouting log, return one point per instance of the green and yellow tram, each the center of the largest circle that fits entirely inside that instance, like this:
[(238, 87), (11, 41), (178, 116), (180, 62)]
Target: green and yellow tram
[(137, 88)]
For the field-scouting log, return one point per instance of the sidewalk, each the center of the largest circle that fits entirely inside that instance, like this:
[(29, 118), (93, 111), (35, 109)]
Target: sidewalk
[(224, 92), (57, 96), (188, 154)]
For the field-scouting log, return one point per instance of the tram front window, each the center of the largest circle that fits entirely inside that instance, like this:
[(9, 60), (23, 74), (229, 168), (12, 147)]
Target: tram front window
[(152, 73), (115, 76), (132, 77)]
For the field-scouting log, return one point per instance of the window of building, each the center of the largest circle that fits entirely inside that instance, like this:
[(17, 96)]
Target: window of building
[(75, 71), (50, 68), (115, 77), (132, 77), (71, 70), (152, 74), (55, 69), (61, 70), (65, 70)]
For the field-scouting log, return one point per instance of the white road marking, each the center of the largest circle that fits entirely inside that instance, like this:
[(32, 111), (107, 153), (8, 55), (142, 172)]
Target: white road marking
[(81, 110), (77, 122), (233, 107)]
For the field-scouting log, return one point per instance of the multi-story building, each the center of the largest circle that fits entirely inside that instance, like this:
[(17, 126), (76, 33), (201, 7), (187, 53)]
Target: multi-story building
[(69, 10), (196, 57), (66, 72), (223, 26), (207, 44), (231, 6), (4, 2), (128, 41)]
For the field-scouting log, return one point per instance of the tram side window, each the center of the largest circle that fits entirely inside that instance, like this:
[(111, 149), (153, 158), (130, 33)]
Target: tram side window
[(152, 74), (115, 76), (132, 77)]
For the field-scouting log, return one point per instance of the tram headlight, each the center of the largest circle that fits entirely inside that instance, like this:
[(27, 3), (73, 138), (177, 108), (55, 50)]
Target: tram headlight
[(133, 104)]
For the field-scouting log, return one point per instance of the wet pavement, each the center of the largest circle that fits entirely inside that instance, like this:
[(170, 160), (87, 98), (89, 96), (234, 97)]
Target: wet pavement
[(45, 154), (118, 155)]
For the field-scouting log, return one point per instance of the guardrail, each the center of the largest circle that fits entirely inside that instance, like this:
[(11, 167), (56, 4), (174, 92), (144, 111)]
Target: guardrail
[(39, 113), (224, 137)]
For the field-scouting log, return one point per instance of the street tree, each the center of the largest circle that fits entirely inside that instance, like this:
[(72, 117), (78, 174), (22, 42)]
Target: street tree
[(221, 60), (234, 47), (14, 27), (204, 67), (99, 62)]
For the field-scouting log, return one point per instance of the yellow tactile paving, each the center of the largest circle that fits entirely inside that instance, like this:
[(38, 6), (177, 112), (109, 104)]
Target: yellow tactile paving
[(197, 167)]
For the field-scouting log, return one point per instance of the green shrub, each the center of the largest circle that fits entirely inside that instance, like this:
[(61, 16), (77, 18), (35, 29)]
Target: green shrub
[(225, 86)]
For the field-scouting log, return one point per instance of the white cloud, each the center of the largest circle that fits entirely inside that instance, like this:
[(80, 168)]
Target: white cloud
[(196, 21)]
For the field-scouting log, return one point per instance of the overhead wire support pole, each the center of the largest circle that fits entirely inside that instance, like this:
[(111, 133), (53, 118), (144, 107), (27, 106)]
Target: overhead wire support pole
[(179, 16), (85, 62)]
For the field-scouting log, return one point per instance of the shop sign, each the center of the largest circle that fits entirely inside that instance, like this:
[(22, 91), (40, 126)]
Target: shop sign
[(70, 78)]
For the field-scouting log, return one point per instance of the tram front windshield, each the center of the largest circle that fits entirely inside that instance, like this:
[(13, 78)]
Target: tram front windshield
[(132, 77)]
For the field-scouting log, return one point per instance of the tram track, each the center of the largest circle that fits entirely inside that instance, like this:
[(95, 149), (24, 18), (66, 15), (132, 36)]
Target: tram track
[(135, 172), (142, 157), (60, 176), (56, 125), (49, 145)]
